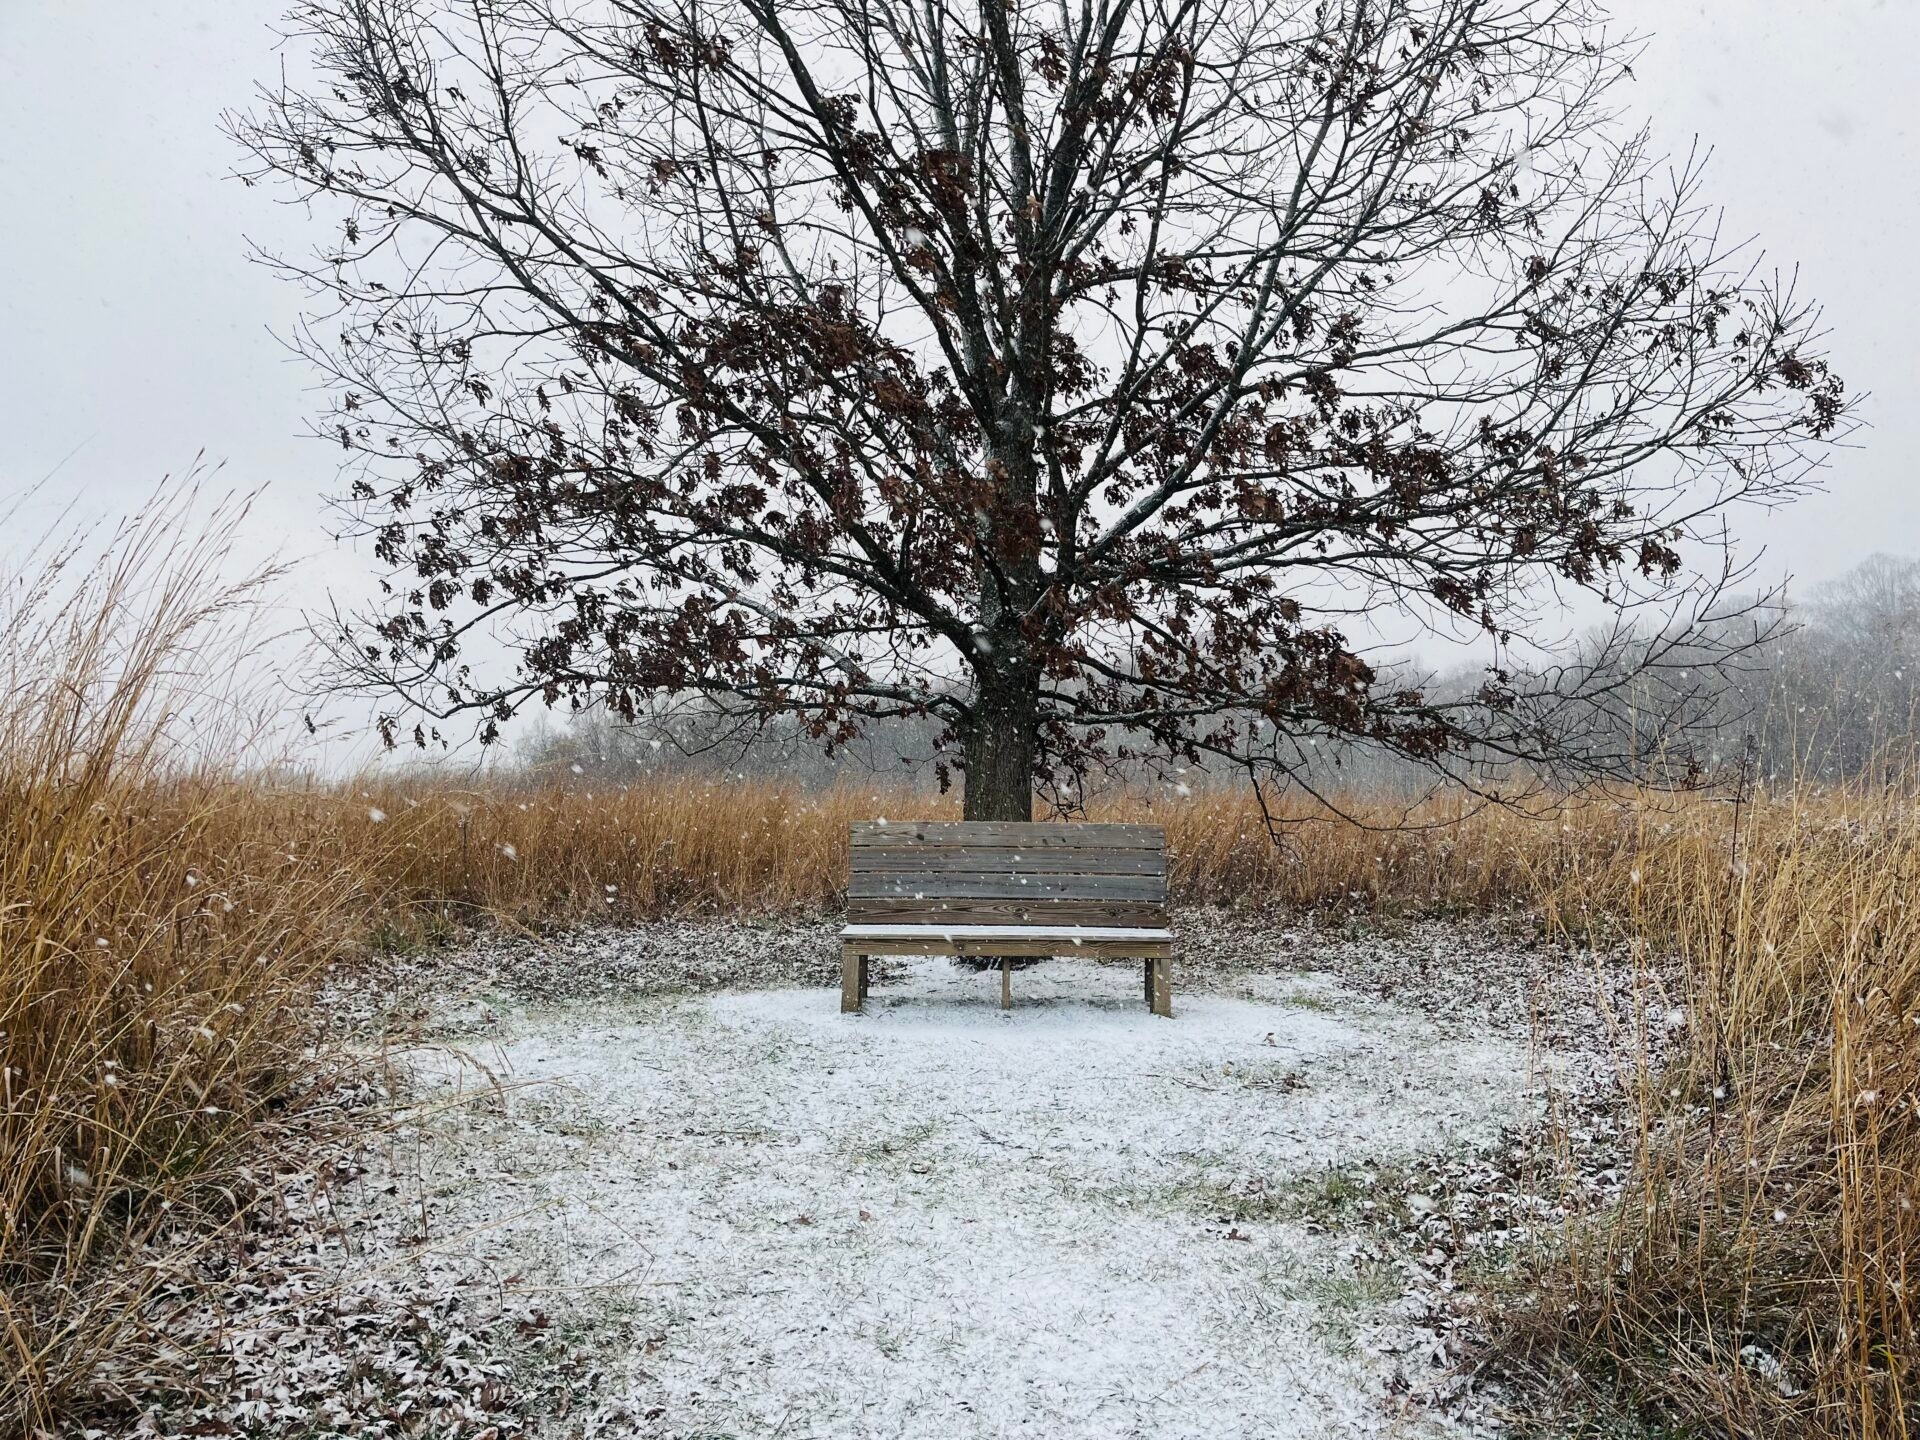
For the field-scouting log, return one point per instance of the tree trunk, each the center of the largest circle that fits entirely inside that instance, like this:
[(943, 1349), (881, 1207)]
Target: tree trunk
[(997, 753), (998, 749), (1000, 743)]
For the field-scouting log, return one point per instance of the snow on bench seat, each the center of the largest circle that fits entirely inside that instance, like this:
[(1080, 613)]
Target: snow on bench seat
[(1005, 932)]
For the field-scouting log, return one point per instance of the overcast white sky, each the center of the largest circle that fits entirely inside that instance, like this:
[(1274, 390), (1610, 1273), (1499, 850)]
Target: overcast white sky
[(137, 334)]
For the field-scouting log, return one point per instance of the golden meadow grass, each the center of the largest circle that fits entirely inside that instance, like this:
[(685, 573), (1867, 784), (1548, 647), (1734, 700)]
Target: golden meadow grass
[(540, 853), (163, 917), (157, 935), (1758, 1277)]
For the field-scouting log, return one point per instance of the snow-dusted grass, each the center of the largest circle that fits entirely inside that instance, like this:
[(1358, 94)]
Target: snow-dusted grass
[(762, 1217)]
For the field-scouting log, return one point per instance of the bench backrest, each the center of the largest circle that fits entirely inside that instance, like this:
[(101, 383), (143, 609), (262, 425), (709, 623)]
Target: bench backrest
[(1007, 873)]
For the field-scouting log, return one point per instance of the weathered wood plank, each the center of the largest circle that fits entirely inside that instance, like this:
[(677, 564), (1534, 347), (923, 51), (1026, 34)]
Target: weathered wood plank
[(870, 930), (1101, 836), (1044, 909), (982, 945), (1006, 912), (1162, 968), (1140, 889), (850, 967), (1002, 859)]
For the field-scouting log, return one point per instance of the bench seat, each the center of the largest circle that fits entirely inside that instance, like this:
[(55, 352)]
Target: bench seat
[(1103, 887), (1026, 939)]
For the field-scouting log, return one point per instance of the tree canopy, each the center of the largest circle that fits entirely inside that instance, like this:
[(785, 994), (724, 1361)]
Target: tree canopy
[(1106, 379)]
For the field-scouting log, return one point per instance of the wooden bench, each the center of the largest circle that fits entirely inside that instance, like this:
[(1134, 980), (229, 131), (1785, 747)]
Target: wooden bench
[(1006, 889)]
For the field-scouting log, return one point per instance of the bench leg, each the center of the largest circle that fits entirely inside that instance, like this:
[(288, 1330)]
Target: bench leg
[(866, 975), (1006, 983), (1160, 978), (853, 973), (1146, 994)]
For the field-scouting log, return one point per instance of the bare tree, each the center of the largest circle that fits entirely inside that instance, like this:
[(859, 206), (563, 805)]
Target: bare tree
[(1103, 380)]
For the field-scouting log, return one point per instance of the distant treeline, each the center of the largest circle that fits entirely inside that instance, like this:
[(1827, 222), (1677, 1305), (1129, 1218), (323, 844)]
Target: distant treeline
[(1842, 696), (1834, 694)]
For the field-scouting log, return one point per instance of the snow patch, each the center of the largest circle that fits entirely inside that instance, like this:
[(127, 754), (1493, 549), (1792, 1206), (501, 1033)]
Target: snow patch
[(939, 1218)]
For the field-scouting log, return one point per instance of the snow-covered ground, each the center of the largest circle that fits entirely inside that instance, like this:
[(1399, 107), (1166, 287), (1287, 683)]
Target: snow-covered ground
[(760, 1217), (648, 1181)]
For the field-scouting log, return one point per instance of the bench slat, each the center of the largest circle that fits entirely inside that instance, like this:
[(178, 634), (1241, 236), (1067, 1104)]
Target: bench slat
[(989, 946), (1003, 932), (1005, 859), (1016, 834), (1006, 912), (1147, 889)]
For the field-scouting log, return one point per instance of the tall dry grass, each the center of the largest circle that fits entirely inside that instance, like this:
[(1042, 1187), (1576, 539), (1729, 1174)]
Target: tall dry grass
[(1758, 1276), (156, 934), (568, 851)]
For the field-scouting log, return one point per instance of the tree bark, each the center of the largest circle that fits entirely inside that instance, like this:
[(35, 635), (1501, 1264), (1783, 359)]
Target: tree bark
[(998, 748), (997, 754)]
